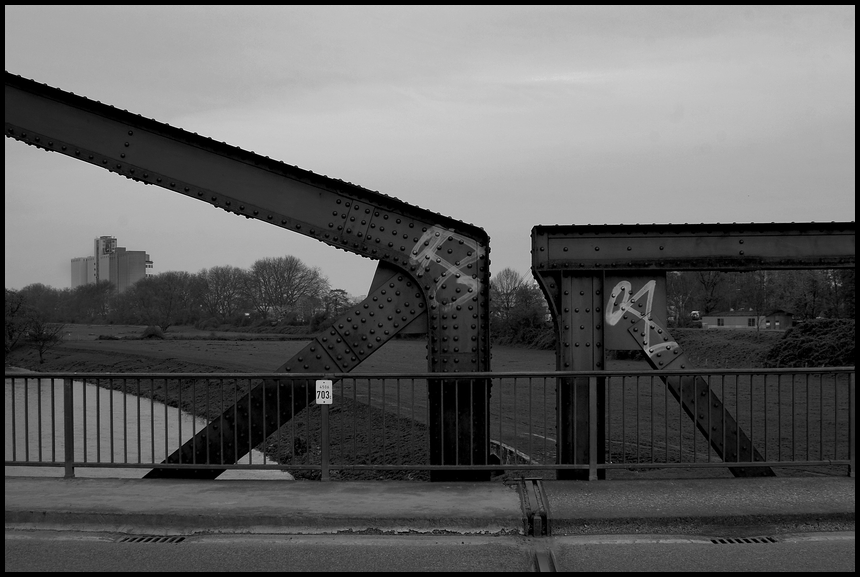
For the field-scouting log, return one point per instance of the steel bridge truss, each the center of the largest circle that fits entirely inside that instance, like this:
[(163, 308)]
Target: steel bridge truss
[(432, 277), (605, 284), (606, 288)]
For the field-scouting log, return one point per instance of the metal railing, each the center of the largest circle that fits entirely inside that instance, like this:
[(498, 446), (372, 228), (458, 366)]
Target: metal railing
[(378, 423)]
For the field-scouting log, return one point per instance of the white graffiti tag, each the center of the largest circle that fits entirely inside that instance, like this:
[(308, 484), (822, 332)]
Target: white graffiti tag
[(426, 253), (616, 309)]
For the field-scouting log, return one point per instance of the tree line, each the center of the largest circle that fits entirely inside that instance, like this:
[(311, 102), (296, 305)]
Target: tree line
[(519, 315), (284, 290), (806, 294), (278, 290)]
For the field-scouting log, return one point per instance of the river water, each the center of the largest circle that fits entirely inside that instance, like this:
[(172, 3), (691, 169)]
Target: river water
[(109, 415)]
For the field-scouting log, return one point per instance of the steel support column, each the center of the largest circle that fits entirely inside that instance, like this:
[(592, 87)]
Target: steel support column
[(576, 302)]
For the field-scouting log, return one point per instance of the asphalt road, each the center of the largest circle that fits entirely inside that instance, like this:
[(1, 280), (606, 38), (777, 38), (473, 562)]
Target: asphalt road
[(814, 552), (73, 551), (61, 551)]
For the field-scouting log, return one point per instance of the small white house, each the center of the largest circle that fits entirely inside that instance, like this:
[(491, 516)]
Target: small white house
[(776, 320)]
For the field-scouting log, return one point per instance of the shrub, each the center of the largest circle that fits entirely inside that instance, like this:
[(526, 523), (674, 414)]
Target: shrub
[(206, 324), (815, 343), (152, 332)]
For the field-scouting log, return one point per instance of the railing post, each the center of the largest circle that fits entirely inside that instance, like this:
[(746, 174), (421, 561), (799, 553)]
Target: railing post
[(69, 428), (592, 428), (852, 420), (324, 448)]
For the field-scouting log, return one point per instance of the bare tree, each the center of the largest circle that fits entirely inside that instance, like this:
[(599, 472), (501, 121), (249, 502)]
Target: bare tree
[(837, 296), (679, 293), (17, 319), (223, 291), (276, 285), (849, 292), (43, 335), (503, 293), (710, 281), (336, 302), (164, 300), (761, 286), (518, 310), (89, 302), (42, 299)]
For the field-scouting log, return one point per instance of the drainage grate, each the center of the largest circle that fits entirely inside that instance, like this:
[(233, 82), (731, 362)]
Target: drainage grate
[(151, 539), (743, 541)]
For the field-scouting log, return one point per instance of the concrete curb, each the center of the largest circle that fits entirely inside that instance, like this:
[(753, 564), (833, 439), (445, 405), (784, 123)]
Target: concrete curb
[(183, 507), (723, 526), (271, 507), (172, 524), (702, 506)]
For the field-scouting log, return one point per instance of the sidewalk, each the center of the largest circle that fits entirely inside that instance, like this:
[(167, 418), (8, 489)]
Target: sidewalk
[(183, 507)]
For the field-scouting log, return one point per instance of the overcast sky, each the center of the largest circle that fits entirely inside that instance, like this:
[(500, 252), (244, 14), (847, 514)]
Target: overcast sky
[(504, 117)]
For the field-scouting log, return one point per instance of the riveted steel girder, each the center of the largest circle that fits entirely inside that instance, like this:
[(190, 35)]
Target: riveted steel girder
[(733, 246), (446, 260)]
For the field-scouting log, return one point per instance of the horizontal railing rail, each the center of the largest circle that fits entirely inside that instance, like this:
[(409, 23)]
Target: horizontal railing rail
[(377, 423)]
